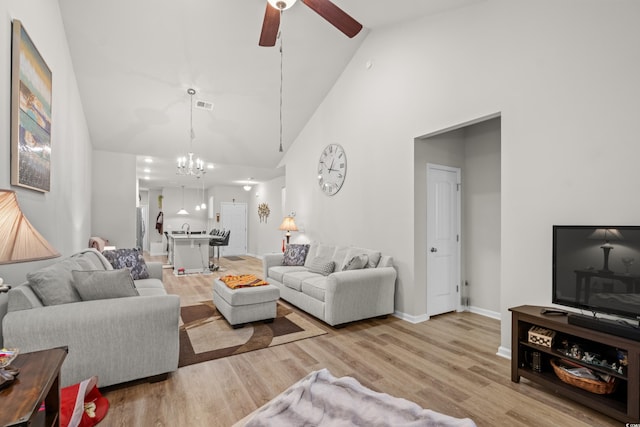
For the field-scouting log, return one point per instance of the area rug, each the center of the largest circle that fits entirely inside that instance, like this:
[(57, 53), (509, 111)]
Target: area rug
[(206, 335), (233, 258)]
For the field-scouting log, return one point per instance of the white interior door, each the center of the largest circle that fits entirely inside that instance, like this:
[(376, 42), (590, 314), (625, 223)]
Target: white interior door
[(443, 239), (234, 218)]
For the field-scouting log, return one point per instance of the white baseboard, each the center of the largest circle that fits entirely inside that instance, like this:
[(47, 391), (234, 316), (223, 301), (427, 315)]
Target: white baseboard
[(486, 313), (157, 253), (410, 318), (504, 352)]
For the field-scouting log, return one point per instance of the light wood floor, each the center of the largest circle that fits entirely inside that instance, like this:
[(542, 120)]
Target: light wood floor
[(447, 364)]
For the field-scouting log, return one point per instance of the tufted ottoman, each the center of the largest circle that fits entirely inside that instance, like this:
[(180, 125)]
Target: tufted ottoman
[(244, 305)]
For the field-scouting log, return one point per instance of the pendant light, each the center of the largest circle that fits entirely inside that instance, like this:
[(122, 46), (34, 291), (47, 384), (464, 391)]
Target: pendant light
[(182, 210)]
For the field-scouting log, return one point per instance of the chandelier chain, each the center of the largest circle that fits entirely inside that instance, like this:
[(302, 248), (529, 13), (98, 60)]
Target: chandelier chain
[(188, 165)]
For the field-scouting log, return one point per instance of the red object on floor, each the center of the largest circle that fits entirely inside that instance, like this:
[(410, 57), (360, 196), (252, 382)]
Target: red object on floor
[(79, 402)]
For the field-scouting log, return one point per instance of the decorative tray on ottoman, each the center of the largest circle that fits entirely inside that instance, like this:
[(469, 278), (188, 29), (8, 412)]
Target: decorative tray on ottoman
[(584, 378)]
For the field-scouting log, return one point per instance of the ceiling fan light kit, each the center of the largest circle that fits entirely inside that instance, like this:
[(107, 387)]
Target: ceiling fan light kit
[(281, 5)]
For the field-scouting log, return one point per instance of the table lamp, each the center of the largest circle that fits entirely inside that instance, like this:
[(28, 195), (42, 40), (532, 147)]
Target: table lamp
[(20, 241), (605, 235), (289, 225)]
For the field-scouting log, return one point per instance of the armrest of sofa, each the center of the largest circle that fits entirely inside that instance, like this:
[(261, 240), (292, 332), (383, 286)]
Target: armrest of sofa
[(271, 260), (359, 294), (118, 339), (155, 269)]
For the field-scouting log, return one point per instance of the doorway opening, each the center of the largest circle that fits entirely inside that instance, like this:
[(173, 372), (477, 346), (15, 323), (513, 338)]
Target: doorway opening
[(475, 149)]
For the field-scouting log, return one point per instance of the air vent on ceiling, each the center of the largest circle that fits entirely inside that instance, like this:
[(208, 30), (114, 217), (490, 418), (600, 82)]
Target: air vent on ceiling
[(204, 105)]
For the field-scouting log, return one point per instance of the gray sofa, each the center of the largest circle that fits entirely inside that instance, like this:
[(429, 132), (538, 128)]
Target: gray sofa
[(118, 339), (335, 296)]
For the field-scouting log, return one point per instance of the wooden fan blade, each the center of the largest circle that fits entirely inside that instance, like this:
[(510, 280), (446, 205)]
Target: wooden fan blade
[(270, 26), (336, 16)]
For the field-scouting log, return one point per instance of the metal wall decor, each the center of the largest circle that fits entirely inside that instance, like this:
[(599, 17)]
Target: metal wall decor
[(263, 212)]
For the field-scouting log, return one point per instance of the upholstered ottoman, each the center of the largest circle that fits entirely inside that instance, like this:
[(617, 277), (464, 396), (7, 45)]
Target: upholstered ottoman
[(244, 305)]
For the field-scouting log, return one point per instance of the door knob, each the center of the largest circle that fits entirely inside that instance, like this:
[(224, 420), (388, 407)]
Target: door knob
[(434, 250)]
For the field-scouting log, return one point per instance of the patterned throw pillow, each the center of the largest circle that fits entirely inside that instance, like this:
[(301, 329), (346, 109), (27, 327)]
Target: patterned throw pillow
[(356, 263), (321, 266), (128, 258), (295, 254)]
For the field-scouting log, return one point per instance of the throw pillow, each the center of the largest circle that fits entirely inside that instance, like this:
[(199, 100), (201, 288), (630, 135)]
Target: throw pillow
[(295, 254), (128, 258), (321, 266), (54, 284), (356, 263), (104, 284), (374, 256)]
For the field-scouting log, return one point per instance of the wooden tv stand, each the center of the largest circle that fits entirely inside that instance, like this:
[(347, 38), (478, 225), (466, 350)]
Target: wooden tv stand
[(623, 404)]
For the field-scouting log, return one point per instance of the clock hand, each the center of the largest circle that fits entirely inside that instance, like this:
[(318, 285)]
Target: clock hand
[(331, 166)]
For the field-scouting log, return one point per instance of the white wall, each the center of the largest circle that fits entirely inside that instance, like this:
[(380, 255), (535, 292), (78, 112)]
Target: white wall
[(264, 237), (481, 216), (115, 198), (563, 75), (62, 216)]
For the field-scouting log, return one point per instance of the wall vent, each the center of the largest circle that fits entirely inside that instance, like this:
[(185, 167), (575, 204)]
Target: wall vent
[(204, 105)]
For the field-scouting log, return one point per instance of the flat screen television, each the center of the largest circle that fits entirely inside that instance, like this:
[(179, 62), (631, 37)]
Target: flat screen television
[(597, 268)]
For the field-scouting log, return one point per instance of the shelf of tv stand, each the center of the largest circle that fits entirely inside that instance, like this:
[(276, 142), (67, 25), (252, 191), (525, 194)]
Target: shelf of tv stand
[(624, 404)]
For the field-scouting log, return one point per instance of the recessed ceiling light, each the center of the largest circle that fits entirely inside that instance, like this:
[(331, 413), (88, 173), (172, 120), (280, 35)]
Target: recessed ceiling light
[(210, 166), (147, 178), (148, 160), (147, 170)]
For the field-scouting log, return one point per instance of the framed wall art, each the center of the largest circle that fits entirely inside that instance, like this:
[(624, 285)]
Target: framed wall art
[(30, 114)]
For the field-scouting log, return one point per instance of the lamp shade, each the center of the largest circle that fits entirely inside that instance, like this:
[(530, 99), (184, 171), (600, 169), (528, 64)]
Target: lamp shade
[(19, 240), (606, 234), (288, 224)]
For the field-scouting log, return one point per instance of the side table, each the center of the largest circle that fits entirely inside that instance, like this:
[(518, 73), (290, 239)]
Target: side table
[(38, 381)]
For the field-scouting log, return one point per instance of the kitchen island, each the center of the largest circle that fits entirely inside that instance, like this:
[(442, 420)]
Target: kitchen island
[(189, 253)]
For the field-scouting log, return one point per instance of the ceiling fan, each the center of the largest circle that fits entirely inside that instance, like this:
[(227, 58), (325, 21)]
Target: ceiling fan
[(325, 8)]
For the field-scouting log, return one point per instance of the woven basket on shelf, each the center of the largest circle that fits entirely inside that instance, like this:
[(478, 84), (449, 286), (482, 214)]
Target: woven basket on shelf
[(594, 386)]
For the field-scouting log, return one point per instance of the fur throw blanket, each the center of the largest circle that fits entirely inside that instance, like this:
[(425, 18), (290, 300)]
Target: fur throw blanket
[(320, 399)]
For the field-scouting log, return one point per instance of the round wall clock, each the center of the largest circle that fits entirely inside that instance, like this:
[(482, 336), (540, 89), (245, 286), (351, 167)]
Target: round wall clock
[(332, 169)]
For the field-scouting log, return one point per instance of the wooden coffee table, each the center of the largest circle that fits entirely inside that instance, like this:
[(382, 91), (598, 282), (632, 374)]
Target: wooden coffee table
[(38, 381)]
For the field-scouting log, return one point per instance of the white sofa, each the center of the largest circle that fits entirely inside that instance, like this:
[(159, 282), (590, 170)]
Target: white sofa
[(117, 339), (341, 296)]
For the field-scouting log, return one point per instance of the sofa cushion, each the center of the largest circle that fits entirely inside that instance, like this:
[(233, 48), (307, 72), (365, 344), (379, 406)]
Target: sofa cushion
[(320, 250), (128, 258), (148, 284), (92, 258), (315, 287), (54, 284), (104, 284), (322, 266), (374, 256), (356, 263), (295, 254), (294, 280), (150, 292), (338, 256), (279, 271)]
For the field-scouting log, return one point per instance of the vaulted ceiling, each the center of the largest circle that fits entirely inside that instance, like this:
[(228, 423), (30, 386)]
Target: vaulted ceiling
[(135, 59)]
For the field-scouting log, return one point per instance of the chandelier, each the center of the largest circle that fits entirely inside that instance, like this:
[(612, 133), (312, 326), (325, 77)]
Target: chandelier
[(187, 165)]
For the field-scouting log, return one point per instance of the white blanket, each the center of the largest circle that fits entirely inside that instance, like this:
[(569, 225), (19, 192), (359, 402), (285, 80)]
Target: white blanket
[(320, 399)]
